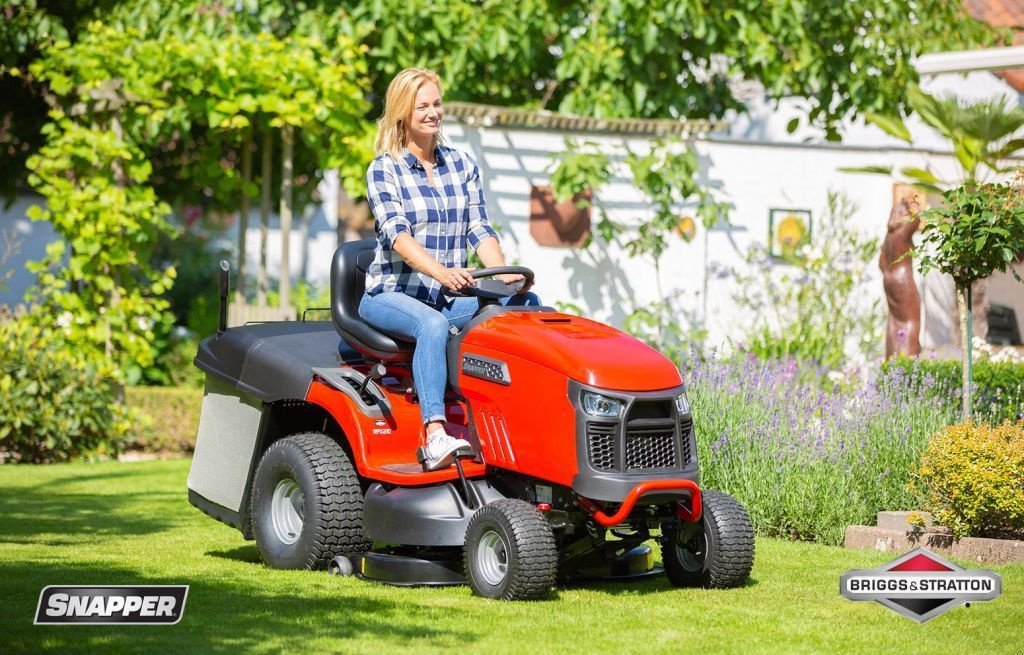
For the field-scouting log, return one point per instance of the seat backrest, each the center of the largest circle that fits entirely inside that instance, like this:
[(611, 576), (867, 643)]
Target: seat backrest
[(348, 282)]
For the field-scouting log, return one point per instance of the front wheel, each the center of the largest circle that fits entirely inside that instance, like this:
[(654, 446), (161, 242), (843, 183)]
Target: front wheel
[(510, 552), (716, 554)]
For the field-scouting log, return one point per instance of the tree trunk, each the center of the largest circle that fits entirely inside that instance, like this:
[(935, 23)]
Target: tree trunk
[(963, 300), (287, 152), (266, 175), (243, 214), (305, 218)]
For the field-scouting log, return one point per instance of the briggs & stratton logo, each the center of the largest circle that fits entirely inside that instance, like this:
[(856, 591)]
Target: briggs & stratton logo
[(920, 585), (111, 604)]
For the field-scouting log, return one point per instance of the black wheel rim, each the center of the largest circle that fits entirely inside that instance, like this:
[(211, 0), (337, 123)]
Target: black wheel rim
[(692, 553)]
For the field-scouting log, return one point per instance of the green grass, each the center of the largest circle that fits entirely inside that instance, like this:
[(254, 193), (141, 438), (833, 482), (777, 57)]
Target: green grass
[(112, 523)]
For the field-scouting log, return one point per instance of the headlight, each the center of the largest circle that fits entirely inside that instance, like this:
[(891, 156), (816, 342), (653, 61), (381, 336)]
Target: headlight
[(682, 404), (597, 405)]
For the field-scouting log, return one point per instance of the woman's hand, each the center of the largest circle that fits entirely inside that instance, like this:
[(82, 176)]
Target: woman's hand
[(515, 278), (455, 279)]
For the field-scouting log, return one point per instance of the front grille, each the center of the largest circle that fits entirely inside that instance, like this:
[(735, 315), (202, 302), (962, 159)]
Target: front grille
[(686, 437), (601, 445), (651, 447)]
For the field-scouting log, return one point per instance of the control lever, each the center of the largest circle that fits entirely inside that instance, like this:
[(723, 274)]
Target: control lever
[(377, 371), (225, 286)]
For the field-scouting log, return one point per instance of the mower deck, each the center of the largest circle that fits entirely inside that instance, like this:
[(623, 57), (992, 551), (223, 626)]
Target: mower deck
[(445, 567)]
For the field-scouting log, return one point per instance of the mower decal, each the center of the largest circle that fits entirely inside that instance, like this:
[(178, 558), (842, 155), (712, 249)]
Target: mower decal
[(381, 427), (920, 585)]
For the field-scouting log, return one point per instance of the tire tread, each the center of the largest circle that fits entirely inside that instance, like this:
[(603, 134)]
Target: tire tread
[(338, 526), (733, 556)]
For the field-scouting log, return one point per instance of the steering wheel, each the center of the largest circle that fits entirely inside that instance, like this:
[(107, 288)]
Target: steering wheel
[(495, 289)]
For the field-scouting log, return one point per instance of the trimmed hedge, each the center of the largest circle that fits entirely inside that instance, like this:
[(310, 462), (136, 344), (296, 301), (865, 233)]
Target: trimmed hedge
[(971, 478), (170, 418), (998, 386)]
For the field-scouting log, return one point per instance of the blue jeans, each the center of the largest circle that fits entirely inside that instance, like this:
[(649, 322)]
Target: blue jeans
[(406, 318)]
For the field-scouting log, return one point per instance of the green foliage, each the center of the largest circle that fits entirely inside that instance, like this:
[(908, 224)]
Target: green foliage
[(614, 58), (56, 402), (998, 386), (187, 98), (305, 296), (28, 28), (169, 417), (583, 167), (970, 478), (978, 231), (97, 281), (622, 58), (580, 173), (813, 307), (980, 134)]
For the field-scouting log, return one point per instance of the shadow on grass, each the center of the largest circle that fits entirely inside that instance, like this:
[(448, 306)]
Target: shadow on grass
[(653, 585), (221, 615), (85, 515), (123, 472), (247, 554)]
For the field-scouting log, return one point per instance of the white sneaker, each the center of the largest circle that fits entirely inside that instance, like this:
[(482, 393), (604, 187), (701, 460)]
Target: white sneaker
[(440, 450)]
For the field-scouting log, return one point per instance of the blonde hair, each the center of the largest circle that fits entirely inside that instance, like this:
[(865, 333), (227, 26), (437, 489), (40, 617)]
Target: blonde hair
[(398, 105)]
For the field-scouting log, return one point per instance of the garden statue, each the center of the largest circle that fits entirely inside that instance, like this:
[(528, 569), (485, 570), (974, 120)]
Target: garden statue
[(902, 333)]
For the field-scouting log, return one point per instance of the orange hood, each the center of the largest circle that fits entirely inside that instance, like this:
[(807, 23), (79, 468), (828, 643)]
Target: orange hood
[(582, 349)]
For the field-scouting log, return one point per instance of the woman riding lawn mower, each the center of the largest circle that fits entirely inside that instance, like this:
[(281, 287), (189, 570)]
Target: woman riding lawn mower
[(581, 447)]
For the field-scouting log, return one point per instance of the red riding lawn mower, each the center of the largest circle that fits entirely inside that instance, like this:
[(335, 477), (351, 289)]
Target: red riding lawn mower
[(582, 445)]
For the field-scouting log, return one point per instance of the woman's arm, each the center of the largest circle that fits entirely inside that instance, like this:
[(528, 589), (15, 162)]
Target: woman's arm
[(489, 252), (414, 255)]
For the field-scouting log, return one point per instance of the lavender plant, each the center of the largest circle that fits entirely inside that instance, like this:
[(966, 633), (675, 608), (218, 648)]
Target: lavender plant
[(806, 461)]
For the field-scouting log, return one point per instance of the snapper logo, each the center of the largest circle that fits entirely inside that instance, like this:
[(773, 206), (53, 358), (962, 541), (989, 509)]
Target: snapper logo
[(106, 605), (920, 585)]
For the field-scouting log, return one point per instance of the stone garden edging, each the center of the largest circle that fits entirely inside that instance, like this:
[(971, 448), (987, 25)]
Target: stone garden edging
[(893, 533)]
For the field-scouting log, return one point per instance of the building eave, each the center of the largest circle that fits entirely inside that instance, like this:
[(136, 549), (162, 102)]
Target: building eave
[(512, 117)]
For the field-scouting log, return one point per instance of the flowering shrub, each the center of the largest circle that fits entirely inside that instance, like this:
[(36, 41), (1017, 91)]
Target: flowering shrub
[(807, 462), (972, 479)]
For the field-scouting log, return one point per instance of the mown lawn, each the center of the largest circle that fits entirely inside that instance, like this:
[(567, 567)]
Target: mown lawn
[(114, 523)]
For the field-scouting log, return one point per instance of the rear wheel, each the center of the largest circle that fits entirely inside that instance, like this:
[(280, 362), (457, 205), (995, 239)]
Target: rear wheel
[(307, 505), (510, 552), (716, 554)]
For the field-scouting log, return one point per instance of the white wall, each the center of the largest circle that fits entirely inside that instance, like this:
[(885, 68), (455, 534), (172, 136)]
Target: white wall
[(29, 239), (755, 167), (752, 176)]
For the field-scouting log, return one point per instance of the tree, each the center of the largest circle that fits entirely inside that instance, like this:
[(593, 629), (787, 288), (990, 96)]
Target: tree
[(97, 282), (122, 99), (621, 58), (978, 231), (192, 103), (981, 136), (633, 58)]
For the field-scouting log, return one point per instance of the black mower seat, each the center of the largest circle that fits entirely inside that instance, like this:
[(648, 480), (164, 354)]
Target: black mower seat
[(348, 282)]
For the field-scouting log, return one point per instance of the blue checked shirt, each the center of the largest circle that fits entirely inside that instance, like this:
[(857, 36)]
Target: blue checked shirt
[(444, 220)]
